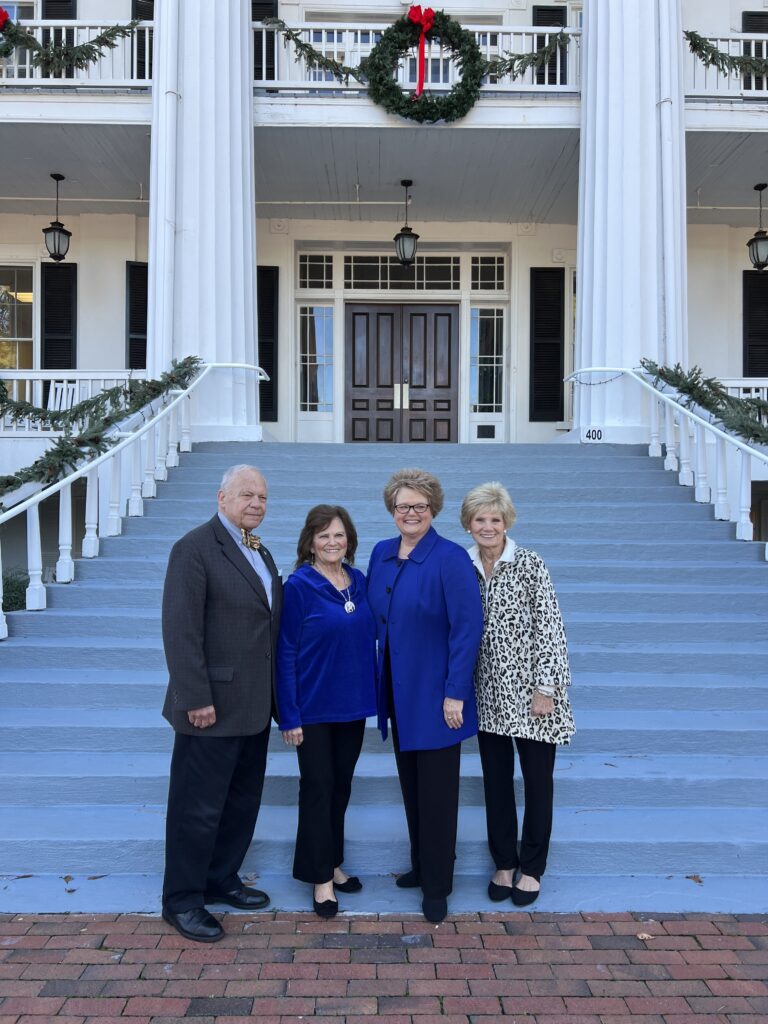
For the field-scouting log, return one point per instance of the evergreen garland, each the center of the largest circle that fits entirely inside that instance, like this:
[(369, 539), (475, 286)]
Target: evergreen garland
[(85, 425), (726, 63), (379, 67), (745, 417), (56, 58)]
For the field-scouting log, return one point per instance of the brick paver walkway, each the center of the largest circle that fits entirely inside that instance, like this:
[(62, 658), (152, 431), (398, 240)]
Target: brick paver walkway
[(535, 968)]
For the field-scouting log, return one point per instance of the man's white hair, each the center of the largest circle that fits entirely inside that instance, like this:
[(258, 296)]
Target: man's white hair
[(233, 471)]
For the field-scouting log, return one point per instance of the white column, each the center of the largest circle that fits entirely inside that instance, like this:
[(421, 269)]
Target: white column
[(631, 246), (203, 228)]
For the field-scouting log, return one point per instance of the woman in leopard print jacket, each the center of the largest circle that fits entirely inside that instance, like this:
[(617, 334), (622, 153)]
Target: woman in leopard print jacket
[(520, 681)]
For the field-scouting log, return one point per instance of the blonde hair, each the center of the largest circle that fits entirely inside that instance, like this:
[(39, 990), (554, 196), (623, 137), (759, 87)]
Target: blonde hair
[(493, 497)]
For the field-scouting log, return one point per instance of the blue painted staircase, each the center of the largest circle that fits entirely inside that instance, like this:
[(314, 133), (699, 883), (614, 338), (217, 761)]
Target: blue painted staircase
[(661, 800)]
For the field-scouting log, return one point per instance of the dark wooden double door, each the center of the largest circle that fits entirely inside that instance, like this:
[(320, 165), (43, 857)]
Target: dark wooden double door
[(401, 373)]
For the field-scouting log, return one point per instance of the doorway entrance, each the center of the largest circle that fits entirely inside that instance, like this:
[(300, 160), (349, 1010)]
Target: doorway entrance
[(401, 373)]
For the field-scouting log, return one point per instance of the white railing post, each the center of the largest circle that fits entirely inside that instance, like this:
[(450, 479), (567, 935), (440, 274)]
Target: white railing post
[(722, 505), (654, 448), (670, 441), (135, 502), (65, 566), (685, 475), (161, 449), (702, 481), (35, 590), (149, 484), (91, 538), (114, 515), (185, 445), (172, 458), (3, 620), (744, 530)]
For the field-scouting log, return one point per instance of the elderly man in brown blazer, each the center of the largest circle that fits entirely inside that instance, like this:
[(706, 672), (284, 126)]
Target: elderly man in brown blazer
[(221, 614)]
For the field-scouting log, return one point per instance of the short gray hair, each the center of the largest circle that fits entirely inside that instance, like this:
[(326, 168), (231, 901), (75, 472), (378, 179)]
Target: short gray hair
[(417, 480), (233, 471), (491, 497)]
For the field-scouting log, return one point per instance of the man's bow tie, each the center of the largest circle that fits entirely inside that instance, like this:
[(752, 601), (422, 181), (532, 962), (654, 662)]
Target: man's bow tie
[(250, 540)]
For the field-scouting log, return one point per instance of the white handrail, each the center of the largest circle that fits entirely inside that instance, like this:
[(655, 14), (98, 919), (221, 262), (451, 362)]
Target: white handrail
[(693, 466), (163, 455)]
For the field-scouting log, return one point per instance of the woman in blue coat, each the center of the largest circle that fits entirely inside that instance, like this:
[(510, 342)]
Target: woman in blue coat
[(429, 621), (326, 668)]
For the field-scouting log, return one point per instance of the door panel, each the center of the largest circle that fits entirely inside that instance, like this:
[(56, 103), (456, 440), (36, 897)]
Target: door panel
[(402, 373)]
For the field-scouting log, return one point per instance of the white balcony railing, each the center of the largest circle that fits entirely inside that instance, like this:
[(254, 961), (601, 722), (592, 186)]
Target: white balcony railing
[(56, 390), (128, 65), (277, 70), (708, 82)]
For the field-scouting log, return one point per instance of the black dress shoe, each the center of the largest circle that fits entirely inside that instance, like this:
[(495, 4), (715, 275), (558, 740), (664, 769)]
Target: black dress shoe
[(352, 884), (497, 893), (410, 880), (243, 898), (521, 898), (196, 924), (434, 909), (326, 908)]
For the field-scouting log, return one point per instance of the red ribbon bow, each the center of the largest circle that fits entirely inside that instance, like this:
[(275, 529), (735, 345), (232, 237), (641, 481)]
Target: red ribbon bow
[(4, 17), (425, 19)]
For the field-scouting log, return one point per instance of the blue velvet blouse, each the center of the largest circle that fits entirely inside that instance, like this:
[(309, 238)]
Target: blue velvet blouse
[(326, 657)]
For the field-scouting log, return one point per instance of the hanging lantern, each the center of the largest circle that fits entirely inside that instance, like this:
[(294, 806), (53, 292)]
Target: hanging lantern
[(56, 235)]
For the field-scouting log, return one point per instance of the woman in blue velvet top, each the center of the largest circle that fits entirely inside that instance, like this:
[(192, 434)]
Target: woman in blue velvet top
[(425, 599), (326, 670)]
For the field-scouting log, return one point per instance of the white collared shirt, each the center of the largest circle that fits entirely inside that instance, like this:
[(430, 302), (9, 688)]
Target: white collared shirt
[(253, 558), (507, 555)]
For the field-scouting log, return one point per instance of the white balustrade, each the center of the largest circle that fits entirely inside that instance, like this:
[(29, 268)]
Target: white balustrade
[(702, 478), (153, 445), (722, 505), (56, 390), (703, 81)]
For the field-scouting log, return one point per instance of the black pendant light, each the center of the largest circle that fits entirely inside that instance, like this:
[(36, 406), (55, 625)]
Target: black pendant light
[(56, 235), (405, 240), (758, 243)]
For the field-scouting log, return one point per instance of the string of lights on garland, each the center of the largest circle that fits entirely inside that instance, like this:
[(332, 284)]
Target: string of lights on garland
[(86, 424), (54, 58), (745, 417), (409, 32)]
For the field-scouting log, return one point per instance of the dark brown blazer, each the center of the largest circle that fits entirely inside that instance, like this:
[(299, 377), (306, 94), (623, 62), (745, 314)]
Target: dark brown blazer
[(219, 634)]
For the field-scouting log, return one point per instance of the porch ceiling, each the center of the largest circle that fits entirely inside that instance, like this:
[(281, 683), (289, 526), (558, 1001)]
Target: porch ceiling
[(106, 167), (458, 174), (723, 167)]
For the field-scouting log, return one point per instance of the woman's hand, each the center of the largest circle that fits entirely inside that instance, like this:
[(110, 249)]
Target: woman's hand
[(294, 737), (541, 705), (453, 712)]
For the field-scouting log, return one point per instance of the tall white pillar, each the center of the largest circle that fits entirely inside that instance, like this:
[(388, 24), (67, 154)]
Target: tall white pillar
[(202, 236), (631, 248)]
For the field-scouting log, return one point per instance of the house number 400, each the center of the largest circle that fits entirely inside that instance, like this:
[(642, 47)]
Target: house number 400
[(593, 434)]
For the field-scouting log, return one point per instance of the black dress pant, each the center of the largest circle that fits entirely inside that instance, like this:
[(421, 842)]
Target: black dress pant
[(537, 763), (429, 780), (327, 758), (213, 802)]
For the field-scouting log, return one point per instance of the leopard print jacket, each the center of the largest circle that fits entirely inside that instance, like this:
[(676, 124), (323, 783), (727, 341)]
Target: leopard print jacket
[(523, 646)]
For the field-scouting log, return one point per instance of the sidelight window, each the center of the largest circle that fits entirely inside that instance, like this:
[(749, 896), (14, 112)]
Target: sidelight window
[(316, 358), (16, 318), (486, 360)]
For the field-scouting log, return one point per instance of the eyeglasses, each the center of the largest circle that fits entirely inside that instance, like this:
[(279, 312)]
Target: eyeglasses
[(419, 508)]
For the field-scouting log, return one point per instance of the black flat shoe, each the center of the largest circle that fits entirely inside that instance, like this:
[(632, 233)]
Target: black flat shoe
[(521, 898), (352, 884), (410, 880), (434, 909), (243, 898), (497, 893), (328, 908), (195, 924)]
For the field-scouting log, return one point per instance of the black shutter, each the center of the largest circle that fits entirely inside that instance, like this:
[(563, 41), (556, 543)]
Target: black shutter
[(755, 317), (53, 10), (751, 22), (136, 316), (547, 74), (266, 299), (59, 10), (59, 316), (263, 42), (144, 10), (547, 344)]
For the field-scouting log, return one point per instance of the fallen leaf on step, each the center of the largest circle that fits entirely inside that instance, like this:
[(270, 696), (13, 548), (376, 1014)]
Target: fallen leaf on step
[(695, 878), (644, 936), (70, 890), (67, 878), (15, 877), (95, 878)]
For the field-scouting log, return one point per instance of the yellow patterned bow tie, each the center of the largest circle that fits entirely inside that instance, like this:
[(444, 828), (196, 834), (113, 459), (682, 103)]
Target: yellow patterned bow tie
[(250, 540)]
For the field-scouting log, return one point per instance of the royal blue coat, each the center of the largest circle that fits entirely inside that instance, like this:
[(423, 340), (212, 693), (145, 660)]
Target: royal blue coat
[(326, 658), (428, 608)]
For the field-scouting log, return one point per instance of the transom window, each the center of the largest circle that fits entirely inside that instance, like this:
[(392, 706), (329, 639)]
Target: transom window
[(15, 318), (315, 271), (486, 360), (435, 273), (316, 358), (487, 273)]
